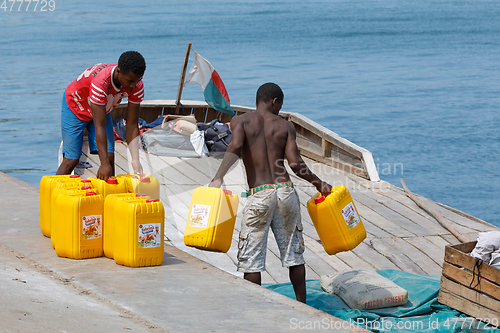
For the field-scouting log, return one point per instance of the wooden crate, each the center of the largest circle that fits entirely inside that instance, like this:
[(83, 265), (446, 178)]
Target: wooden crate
[(482, 301)]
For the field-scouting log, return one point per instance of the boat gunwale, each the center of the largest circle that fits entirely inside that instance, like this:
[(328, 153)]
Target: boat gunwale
[(314, 141)]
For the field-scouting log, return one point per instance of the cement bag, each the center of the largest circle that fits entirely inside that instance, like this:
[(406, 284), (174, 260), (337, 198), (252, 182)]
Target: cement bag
[(364, 289)]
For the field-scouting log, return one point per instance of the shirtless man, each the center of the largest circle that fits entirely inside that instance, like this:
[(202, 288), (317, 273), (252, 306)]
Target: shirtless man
[(264, 140)]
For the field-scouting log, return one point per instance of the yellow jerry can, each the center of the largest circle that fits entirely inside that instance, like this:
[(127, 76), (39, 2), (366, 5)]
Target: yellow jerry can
[(145, 184), (79, 225), (138, 239), (63, 188), (47, 185), (110, 186), (211, 218), (109, 218), (336, 220)]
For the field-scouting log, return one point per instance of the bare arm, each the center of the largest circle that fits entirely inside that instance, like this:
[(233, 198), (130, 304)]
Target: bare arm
[(132, 135), (233, 151), (99, 114), (299, 167)]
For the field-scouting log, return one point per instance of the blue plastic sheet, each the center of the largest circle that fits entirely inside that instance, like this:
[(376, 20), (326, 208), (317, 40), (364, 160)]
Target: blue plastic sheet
[(422, 313)]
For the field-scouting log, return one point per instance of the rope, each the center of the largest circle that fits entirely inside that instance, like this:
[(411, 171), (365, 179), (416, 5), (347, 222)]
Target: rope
[(477, 266)]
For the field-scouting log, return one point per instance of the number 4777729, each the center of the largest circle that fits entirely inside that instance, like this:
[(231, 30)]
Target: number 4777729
[(28, 5)]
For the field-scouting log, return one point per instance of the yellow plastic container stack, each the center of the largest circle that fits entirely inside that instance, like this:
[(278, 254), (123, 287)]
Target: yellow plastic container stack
[(336, 220), (111, 186), (47, 185), (63, 188), (146, 184), (79, 225), (138, 239), (109, 217), (211, 218)]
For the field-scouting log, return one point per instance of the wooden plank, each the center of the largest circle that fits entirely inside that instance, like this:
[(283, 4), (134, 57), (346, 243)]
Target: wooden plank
[(375, 259), (464, 247), (182, 167), (317, 264), (381, 222), (438, 241), (327, 134), (417, 255), (397, 194), (96, 163), (465, 278), (475, 310), (430, 249), (469, 301), (455, 257), (394, 209), (450, 239), (458, 219), (372, 229), (391, 215), (352, 260), (313, 246), (396, 256)]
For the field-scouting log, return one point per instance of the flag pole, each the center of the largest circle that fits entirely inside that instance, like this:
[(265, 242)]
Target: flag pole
[(181, 81)]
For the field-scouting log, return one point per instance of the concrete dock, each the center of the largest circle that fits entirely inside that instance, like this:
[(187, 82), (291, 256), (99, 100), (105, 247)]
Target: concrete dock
[(41, 292)]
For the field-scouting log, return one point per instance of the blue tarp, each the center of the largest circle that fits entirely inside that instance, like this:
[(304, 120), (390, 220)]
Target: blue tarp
[(422, 313)]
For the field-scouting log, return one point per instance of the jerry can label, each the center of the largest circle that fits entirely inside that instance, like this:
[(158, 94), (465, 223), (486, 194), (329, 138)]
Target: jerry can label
[(199, 216), (91, 226), (350, 215), (149, 235)]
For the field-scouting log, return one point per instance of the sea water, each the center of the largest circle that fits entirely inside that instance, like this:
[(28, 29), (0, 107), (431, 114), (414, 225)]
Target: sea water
[(414, 82)]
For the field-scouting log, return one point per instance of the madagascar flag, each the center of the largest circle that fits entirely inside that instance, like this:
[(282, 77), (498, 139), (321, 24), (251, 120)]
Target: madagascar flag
[(203, 73)]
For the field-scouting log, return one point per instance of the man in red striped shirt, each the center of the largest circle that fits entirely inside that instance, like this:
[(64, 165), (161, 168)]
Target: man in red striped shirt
[(87, 104)]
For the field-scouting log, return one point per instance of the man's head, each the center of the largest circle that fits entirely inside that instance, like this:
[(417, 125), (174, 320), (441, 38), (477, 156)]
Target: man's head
[(268, 92), (131, 68)]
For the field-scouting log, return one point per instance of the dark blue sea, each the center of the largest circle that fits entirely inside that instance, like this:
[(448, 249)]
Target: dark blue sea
[(415, 82)]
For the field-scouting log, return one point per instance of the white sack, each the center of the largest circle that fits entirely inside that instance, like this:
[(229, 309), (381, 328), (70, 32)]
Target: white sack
[(364, 289), (487, 243)]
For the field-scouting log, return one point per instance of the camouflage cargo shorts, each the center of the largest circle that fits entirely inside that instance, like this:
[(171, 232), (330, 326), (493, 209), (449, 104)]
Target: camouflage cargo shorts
[(278, 209)]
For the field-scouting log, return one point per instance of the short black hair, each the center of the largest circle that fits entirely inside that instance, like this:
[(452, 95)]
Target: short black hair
[(269, 91), (132, 61)]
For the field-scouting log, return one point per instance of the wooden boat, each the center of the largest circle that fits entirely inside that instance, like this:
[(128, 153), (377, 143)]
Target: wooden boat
[(401, 235)]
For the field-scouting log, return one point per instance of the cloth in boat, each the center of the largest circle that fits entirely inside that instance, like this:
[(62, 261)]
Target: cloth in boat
[(120, 127), (168, 141)]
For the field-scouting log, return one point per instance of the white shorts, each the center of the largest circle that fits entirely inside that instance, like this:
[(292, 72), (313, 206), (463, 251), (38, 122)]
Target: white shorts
[(280, 210)]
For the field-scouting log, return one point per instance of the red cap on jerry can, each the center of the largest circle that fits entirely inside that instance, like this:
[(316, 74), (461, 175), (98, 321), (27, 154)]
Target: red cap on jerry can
[(88, 194), (228, 192), (319, 200), (74, 176), (145, 180), (113, 181), (151, 200)]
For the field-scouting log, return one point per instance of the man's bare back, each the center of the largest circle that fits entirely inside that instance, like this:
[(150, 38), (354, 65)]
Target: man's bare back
[(263, 139), (263, 152)]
